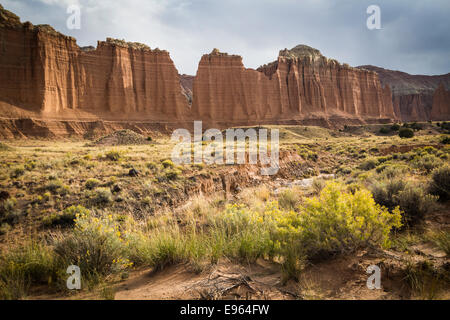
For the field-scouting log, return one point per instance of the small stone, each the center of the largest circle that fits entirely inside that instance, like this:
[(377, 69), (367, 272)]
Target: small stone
[(17, 184), (4, 195), (133, 173)]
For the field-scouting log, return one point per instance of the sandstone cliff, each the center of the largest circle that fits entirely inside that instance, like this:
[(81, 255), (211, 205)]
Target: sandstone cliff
[(301, 84), (441, 104), (412, 94), (187, 83), (46, 76), (44, 73)]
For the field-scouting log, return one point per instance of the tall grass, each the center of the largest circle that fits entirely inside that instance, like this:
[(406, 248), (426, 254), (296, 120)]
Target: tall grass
[(337, 220), (21, 267)]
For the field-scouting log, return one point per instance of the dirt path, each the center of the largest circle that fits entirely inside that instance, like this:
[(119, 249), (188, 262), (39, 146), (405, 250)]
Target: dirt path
[(224, 281)]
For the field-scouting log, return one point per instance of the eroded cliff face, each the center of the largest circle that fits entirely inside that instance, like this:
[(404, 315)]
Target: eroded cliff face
[(45, 73), (441, 104), (46, 76), (412, 95), (413, 107), (301, 84)]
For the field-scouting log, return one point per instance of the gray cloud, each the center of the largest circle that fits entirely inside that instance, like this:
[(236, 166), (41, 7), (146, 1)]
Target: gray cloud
[(414, 37)]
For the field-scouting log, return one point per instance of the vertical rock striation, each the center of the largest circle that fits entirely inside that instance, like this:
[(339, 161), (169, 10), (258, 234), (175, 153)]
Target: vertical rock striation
[(301, 84), (46, 73), (441, 104), (412, 95)]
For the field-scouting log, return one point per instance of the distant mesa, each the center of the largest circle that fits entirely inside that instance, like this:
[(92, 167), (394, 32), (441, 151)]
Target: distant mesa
[(413, 95)]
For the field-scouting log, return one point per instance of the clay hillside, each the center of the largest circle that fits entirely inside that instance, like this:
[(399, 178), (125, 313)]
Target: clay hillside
[(414, 96), (48, 84)]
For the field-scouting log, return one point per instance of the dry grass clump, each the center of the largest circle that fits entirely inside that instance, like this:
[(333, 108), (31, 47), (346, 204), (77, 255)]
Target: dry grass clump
[(440, 183)]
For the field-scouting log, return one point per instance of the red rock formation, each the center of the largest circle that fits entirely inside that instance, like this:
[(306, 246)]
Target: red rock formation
[(187, 83), (441, 104), (412, 94), (413, 107), (44, 72), (45, 75), (301, 84)]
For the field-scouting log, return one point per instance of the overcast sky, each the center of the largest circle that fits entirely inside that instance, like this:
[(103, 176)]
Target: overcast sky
[(415, 35)]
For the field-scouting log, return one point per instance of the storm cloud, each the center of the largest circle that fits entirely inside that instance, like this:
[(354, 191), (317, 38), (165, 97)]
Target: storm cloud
[(414, 35)]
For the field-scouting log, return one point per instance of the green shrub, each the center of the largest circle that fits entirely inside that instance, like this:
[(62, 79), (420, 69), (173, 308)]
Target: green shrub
[(426, 150), (113, 155), (9, 212), (406, 133), (166, 249), (101, 196), (442, 240), (96, 246), (426, 163), (385, 192), (30, 165), (424, 279), (368, 164), (415, 204), (20, 267), (415, 126), (392, 171), (318, 185), (395, 127), (92, 183), (384, 159), (344, 170), (8, 207), (412, 200), (440, 183), (307, 154), (294, 262), (54, 186), (339, 221), (385, 130), (381, 168), (445, 126), (168, 164), (17, 172), (172, 174), (65, 218), (288, 199), (5, 228), (167, 246), (242, 233), (152, 166)]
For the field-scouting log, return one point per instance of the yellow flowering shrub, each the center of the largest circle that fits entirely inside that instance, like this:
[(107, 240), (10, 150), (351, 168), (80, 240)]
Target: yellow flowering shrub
[(96, 245), (338, 220)]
